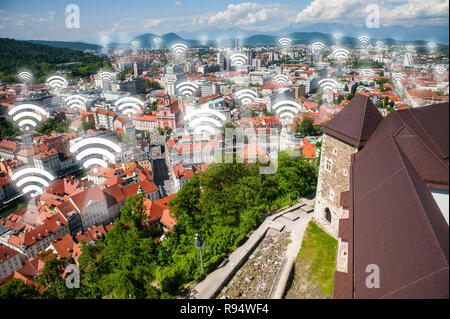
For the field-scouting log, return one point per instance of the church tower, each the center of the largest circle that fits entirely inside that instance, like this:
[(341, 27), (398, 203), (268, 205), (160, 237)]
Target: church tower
[(344, 135)]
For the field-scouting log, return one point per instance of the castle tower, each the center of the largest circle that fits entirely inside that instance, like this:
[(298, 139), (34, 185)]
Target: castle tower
[(344, 135)]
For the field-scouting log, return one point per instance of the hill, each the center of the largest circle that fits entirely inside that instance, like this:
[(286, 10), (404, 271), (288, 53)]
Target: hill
[(68, 45), (41, 60)]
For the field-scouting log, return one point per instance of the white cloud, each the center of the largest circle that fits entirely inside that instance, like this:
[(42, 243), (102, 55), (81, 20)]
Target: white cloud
[(177, 3), (251, 14), (153, 22), (391, 12)]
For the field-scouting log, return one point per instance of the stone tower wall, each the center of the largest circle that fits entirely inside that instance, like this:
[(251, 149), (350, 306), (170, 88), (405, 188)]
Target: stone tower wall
[(334, 181)]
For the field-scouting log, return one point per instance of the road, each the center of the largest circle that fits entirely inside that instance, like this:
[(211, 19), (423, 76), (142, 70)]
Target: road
[(161, 177)]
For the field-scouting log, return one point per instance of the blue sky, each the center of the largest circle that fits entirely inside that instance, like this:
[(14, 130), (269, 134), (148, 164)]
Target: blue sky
[(121, 20)]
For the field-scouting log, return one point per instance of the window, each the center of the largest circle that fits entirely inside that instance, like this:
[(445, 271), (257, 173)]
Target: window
[(328, 215), (331, 194), (328, 164), (344, 172), (335, 151)]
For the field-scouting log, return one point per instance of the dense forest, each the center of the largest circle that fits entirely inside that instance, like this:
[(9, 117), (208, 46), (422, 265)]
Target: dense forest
[(41, 60), (223, 204)]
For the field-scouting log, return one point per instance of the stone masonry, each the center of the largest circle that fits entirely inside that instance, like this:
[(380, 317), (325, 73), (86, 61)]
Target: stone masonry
[(333, 179)]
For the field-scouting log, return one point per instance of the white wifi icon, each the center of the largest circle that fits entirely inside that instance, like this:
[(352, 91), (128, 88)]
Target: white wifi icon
[(25, 76), (285, 42), (27, 115), (204, 121), (337, 36), (179, 49), (32, 180), (238, 59), (363, 39), (106, 76), (440, 69), (367, 73), (341, 54), (410, 48), (187, 88), (246, 96), (317, 46), (129, 105), (328, 84), (89, 149), (281, 79), (75, 101), (156, 40), (57, 82), (135, 43), (432, 45), (287, 109), (397, 77)]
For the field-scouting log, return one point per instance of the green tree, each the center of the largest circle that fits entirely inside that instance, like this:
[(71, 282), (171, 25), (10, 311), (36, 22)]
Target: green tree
[(307, 126), (17, 289), (87, 126), (9, 129)]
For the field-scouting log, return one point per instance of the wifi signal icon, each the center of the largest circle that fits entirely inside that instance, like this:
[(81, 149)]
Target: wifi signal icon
[(398, 77), (440, 69), (367, 73), (32, 180), (106, 76), (287, 109), (432, 45), (285, 42), (129, 104), (90, 148), (205, 121), (379, 45), (341, 54), (187, 88), (328, 84), (27, 115), (363, 39), (179, 49), (317, 46), (135, 43), (246, 96), (281, 79), (25, 76), (157, 41), (75, 101), (57, 82), (238, 59), (410, 48), (337, 36)]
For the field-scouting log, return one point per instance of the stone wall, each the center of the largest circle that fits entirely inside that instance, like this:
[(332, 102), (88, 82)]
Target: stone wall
[(331, 183)]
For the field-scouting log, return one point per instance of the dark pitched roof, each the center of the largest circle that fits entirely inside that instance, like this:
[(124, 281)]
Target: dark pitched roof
[(356, 122), (394, 221), (397, 226)]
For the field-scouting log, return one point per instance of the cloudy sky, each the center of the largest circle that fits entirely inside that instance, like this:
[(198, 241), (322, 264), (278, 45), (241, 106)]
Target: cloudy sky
[(121, 20)]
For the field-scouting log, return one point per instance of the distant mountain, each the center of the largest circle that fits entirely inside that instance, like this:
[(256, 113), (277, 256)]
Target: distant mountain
[(425, 33), (146, 40), (68, 45), (401, 33), (299, 35)]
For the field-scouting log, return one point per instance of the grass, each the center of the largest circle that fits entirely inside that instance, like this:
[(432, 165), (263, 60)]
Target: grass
[(313, 273)]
